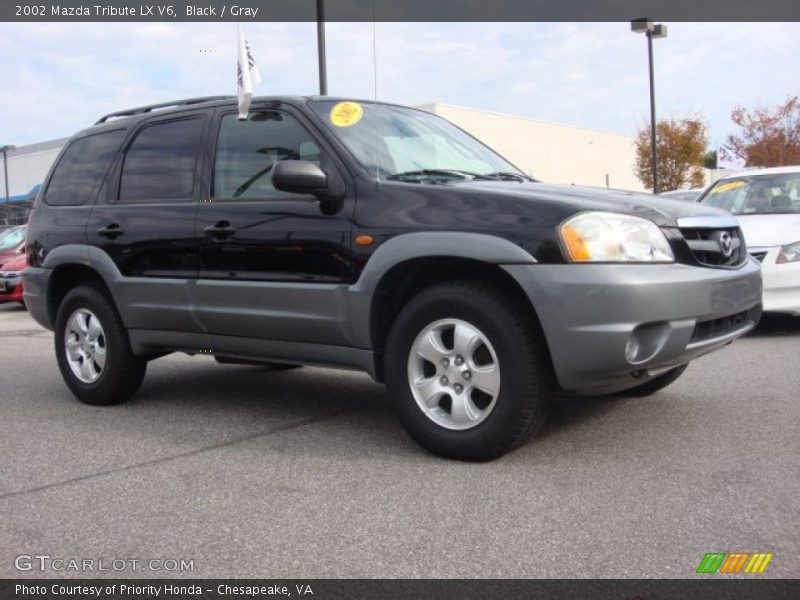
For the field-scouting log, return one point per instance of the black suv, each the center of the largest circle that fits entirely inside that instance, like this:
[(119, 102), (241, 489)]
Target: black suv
[(375, 237)]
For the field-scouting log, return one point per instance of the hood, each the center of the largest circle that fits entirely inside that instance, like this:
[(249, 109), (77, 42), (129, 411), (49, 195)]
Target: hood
[(662, 211), (763, 231), (8, 254), (15, 263)]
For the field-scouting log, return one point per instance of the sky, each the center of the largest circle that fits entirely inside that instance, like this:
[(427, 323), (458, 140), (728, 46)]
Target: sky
[(58, 78)]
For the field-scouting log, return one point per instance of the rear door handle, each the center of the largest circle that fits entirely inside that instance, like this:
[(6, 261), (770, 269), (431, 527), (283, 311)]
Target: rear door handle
[(111, 231), (221, 230)]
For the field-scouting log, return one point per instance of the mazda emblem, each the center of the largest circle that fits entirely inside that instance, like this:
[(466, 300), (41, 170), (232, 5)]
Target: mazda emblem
[(725, 245)]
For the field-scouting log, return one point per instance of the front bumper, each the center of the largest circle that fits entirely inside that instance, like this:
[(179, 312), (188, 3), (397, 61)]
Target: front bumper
[(781, 283), (675, 313), (10, 288)]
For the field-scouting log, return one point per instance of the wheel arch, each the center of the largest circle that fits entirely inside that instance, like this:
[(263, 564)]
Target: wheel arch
[(406, 264), (75, 265)]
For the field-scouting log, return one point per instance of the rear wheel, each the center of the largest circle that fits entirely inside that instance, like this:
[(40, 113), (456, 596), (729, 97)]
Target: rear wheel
[(93, 350), (655, 384), (467, 371)]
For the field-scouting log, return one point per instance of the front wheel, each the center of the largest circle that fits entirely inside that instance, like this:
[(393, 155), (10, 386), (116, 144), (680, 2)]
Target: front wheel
[(93, 351), (467, 371)]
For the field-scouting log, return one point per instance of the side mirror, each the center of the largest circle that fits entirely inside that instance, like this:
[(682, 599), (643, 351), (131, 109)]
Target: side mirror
[(300, 177)]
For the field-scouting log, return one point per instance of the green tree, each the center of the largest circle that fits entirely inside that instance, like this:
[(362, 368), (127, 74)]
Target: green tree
[(681, 146), (710, 159)]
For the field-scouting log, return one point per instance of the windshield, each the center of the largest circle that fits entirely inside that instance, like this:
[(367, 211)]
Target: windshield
[(757, 194), (11, 237), (403, 143)]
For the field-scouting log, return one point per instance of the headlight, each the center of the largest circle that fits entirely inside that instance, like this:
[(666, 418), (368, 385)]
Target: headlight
[(612, 237), (789, 253)]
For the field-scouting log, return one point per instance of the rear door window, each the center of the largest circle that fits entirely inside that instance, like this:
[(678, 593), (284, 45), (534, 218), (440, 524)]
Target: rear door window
[(161, 161)]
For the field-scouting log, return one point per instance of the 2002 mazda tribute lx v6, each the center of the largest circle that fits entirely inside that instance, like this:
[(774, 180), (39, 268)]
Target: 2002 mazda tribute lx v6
[(375, 237)]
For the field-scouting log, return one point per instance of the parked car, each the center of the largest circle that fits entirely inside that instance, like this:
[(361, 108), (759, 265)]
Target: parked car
[(11, 279), (375, 237), (767, 204), (12, 242), (685, 195)]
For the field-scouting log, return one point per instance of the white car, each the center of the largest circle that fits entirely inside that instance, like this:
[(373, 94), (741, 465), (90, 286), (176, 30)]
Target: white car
[(687, 195), (767, 204)]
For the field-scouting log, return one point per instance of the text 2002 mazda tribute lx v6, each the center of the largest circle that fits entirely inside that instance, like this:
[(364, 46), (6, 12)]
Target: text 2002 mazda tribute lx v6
[(375, 237)]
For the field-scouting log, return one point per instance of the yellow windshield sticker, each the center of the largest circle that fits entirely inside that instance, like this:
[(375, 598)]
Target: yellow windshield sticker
[(727, 186), (345, 114)]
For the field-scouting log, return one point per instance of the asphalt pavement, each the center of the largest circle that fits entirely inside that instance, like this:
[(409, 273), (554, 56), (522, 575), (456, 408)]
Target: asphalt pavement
[(249, 472)]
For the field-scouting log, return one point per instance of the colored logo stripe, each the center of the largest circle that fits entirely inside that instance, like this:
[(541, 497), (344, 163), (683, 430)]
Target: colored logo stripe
[(711, 562), (734, 562), (758, 563), (722, 562)]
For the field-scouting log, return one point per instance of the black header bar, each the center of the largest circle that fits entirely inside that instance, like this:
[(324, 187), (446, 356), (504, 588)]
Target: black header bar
[(711, 588), (399, 10)]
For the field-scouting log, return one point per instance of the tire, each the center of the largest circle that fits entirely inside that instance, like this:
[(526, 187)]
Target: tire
[(103, 370), (655, 384), (507, 349)]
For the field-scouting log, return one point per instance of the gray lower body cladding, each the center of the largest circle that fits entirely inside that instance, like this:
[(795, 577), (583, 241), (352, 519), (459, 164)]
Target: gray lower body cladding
[(590, 314), (674, 313)]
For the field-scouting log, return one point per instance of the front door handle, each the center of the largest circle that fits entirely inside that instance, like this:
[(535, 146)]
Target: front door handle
[(111, 231), (221, 230)]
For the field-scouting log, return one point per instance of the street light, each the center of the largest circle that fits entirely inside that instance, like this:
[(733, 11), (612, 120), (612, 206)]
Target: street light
[(652, 31), (323, 74), (5, 150)]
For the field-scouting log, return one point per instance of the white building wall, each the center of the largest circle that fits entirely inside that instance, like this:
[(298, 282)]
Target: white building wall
[(26, 171), (551, 152), (28, 165)]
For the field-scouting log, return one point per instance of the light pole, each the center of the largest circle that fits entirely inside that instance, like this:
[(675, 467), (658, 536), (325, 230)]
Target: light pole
[(323, 75), (652, 31), (5, 150)]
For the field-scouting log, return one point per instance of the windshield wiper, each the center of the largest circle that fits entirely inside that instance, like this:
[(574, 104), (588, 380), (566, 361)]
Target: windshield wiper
[(438, 172), (509, 176)]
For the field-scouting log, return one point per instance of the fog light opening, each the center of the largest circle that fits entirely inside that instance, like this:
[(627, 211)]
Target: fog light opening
[(646, 341), (632, 349)]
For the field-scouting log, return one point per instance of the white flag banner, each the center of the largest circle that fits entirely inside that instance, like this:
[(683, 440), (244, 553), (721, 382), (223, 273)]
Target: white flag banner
[(726, 159), (247, 76)]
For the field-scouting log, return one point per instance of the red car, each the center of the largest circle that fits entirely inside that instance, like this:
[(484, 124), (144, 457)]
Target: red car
[(11, 279), (11, 244)]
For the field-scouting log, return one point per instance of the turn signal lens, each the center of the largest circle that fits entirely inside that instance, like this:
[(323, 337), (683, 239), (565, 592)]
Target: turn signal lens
[(365, 240), (576, 246)]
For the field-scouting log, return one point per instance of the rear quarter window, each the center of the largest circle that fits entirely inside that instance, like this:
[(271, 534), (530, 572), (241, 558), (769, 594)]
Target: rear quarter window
[(81, 168)]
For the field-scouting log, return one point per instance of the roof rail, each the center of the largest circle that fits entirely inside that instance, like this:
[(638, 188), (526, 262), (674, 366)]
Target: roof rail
[(146, 109)]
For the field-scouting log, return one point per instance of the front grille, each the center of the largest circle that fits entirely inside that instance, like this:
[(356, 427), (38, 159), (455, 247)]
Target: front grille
[(759, 256), (706, 330), (715, 247)]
